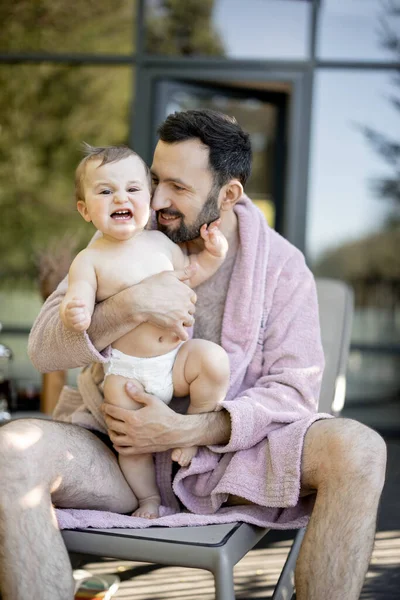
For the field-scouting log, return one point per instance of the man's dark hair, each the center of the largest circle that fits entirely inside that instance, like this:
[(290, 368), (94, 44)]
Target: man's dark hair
[(229, 146)]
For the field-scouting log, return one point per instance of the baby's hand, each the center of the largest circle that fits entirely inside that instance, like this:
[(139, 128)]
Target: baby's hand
[(76, 315), (214, 240)]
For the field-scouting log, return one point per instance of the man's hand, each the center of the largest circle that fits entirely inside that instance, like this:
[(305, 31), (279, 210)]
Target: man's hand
[(156, 427), (163, 299), (166, 301), (153, 428)]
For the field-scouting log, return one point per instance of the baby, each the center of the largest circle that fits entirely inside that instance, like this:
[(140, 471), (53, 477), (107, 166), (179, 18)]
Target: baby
[(113, 191)]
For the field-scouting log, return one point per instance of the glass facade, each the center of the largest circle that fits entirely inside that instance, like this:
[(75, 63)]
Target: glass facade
[(353, 230), (258, 115), (345, 204), (358, 30), (267, 29), (326, 158)]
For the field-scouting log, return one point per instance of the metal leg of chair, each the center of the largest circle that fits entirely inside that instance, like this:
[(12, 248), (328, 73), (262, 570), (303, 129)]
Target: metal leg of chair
[(223, 577), (285, 587)]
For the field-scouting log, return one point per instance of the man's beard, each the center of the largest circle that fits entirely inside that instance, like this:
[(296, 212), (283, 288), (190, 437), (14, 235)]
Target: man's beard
[(186, 233)]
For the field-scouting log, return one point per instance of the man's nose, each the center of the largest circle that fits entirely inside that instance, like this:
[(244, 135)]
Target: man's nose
[(160, 199)]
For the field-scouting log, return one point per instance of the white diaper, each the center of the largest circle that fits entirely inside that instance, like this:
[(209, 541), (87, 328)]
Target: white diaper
[(155, 373)]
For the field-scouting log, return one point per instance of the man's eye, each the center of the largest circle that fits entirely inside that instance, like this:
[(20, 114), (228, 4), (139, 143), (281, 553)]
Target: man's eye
[(154, 182), (178, 188)]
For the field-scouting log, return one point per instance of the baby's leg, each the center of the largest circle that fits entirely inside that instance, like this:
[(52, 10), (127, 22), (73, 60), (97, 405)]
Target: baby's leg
[(138, 470), (201, 370)]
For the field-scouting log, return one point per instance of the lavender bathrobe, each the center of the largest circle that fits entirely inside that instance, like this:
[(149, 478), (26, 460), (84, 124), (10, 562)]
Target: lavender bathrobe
[(271, 333)]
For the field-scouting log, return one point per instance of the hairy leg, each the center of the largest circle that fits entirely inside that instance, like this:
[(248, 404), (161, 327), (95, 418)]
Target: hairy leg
[(44, 462), (201, 370), (344, 462), (138, 470)]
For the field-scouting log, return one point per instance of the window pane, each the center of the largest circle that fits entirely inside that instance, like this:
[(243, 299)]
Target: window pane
[(58, 26), (233, 28), (358, 30), (353, 228), (258, 117), (373, 389), (46, 111)]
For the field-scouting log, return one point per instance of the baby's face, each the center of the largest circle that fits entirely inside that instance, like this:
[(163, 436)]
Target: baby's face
[(117, 197)]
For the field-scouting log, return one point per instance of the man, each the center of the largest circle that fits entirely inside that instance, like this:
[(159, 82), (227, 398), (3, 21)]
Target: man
[(268, 447)]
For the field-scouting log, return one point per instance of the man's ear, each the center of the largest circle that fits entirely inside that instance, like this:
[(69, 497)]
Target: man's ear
[(82, 209), (231, 193)]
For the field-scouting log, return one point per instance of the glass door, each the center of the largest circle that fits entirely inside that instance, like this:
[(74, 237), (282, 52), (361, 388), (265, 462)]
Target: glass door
[(262, 114)]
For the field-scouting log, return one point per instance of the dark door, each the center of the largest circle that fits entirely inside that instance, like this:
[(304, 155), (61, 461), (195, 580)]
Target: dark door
[(262, 114)]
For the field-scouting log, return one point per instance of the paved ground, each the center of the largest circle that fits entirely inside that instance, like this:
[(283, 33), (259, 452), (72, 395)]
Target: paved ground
[(257, 573)]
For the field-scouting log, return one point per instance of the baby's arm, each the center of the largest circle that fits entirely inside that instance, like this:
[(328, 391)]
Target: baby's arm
[(77, 307), (211, 258)]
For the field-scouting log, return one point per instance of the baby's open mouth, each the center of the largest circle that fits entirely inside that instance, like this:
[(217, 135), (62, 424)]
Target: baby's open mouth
[(122, 215)]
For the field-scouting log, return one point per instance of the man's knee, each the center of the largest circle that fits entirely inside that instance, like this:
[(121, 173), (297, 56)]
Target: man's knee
[(21, 442), (339, 450), (17, 436)]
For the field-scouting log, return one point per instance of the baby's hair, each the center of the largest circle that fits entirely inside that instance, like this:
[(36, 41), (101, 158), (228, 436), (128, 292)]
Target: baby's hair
[(107, 154)]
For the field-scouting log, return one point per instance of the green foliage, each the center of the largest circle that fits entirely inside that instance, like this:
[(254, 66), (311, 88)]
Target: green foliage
[(183, 28), (46, 111), (63, 26), (375, 257)]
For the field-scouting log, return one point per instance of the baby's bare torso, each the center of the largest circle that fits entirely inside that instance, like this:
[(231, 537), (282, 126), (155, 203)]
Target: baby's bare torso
[(119, 265)]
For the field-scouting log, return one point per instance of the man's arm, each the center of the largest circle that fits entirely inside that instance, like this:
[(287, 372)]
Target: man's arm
[(162, 299), (286, 391), (288, 387)]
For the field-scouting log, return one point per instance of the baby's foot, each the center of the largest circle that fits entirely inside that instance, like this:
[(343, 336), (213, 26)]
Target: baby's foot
[(183, 456), (148, 508), (76, 315)]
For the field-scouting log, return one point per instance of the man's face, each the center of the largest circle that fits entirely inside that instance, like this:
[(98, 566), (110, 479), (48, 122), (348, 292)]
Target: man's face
[(184, 194)]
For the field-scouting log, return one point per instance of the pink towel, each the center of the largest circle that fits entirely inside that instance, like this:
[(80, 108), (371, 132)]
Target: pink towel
[(256, 515)]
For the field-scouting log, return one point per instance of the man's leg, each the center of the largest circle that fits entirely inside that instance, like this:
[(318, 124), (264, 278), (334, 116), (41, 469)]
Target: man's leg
[(43, 462), (345, 463)]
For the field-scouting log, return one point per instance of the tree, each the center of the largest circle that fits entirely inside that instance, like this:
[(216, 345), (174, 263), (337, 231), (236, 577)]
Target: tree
[(182, 28), (46, 111)]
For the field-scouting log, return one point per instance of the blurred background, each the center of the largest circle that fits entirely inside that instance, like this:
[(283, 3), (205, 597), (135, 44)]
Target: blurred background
[(317, 85)]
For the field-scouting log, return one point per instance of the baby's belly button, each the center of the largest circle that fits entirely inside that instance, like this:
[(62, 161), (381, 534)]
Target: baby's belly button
[(168, 339)]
